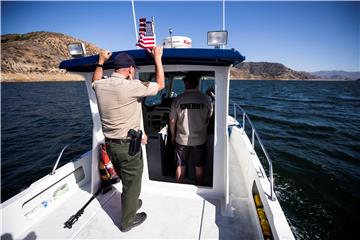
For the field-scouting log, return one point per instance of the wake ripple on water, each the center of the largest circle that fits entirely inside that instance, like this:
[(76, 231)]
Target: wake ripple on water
[(295, 199)]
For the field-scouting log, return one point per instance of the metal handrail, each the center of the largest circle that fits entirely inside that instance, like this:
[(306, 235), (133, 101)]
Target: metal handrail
[(253, 134), (61, 153)]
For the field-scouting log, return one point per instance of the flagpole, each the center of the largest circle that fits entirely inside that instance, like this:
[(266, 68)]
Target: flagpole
[(223, 17), (133, 11), (153, 28)]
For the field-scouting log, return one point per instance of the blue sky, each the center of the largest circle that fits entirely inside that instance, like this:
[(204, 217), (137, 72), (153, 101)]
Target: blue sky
[(307, 36)]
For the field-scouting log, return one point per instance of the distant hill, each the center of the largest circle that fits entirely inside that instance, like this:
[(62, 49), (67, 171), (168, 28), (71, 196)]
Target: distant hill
[(36, 56), (267, 71), (338, 75)]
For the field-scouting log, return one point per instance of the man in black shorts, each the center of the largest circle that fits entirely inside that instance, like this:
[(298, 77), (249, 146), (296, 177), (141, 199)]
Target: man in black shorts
[(189, 116)]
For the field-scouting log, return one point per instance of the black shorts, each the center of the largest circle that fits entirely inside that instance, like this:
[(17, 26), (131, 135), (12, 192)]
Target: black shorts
[(196, 153)]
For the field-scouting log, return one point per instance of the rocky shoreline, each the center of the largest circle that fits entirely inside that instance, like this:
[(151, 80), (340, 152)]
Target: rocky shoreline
[(65, 77), (40, 77), (35, 57), (68, 77)]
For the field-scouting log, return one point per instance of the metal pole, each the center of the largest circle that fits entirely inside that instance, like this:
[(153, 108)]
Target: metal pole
[(253, 140), (61, 153), (244, 122), (58, 159), (133, 11), (272, 197), (223, 18), (223, 15), (271, 183), (234, 111), (171, 31), (153, 28)]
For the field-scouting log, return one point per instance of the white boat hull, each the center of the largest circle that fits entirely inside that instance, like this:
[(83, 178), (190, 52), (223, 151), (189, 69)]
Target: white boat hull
[(225, 209), (169, 205)]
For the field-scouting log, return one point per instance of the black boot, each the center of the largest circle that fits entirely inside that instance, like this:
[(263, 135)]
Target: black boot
[(139, 219)]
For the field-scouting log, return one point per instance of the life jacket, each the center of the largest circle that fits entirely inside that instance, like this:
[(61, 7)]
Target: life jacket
[(106, 168)]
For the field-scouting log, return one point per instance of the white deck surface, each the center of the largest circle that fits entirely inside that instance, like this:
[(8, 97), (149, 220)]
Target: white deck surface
[(165, 219), (169, 217)]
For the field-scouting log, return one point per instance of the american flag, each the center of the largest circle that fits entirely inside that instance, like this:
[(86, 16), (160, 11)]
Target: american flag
[(146, 34)]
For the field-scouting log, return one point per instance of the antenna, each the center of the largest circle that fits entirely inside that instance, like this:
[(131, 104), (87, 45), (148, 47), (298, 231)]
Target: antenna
[(171, 31), (133, 11), (223, 17)]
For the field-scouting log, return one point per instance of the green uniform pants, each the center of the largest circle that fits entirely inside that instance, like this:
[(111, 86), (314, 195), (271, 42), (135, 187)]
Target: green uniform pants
[(129, 169)]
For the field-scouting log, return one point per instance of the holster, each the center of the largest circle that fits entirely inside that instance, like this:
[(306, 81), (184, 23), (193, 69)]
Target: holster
[(135, 141)]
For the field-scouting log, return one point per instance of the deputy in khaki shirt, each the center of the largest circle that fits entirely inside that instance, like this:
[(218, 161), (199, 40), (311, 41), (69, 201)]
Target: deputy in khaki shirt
[(119, 101), (120, 110), (189, 117)]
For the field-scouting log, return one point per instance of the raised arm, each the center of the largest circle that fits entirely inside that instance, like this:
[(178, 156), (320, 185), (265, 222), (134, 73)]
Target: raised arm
[(157, 52), (103, 57)]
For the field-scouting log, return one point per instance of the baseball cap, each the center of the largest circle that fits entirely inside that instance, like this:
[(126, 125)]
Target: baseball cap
[(123, 60)]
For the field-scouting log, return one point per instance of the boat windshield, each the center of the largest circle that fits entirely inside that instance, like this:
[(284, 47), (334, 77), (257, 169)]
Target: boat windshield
[(175, 85)]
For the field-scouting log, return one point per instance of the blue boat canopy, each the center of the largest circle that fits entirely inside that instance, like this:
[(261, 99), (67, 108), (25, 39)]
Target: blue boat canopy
[(171, 56)]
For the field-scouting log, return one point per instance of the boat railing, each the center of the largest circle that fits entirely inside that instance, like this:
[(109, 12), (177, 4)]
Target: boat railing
[(62, 151), (254, 134)]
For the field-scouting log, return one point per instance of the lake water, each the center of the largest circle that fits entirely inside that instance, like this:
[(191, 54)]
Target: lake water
[(310, 129)]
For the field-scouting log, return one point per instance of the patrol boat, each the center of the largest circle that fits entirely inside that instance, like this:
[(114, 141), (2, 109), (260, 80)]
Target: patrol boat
[(237, 200)]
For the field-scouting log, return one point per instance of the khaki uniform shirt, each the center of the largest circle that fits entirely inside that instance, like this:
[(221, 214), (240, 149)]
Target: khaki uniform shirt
[(191, 110), (119, 102)]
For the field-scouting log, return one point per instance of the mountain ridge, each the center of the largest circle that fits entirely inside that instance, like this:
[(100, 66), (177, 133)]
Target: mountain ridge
[(35, 56), (267, 71), (338, 74)]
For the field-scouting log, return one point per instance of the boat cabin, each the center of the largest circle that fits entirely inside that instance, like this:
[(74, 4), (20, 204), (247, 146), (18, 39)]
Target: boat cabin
[(236, 201), (213, 66)]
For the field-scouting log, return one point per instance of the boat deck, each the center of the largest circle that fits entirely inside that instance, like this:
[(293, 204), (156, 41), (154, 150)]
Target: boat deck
[(170, 216)]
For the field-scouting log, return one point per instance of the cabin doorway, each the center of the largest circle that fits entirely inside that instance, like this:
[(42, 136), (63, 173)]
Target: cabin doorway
[(160, 151)]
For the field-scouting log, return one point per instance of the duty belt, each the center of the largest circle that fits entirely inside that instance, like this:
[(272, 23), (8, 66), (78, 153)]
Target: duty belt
[(117, 141)]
